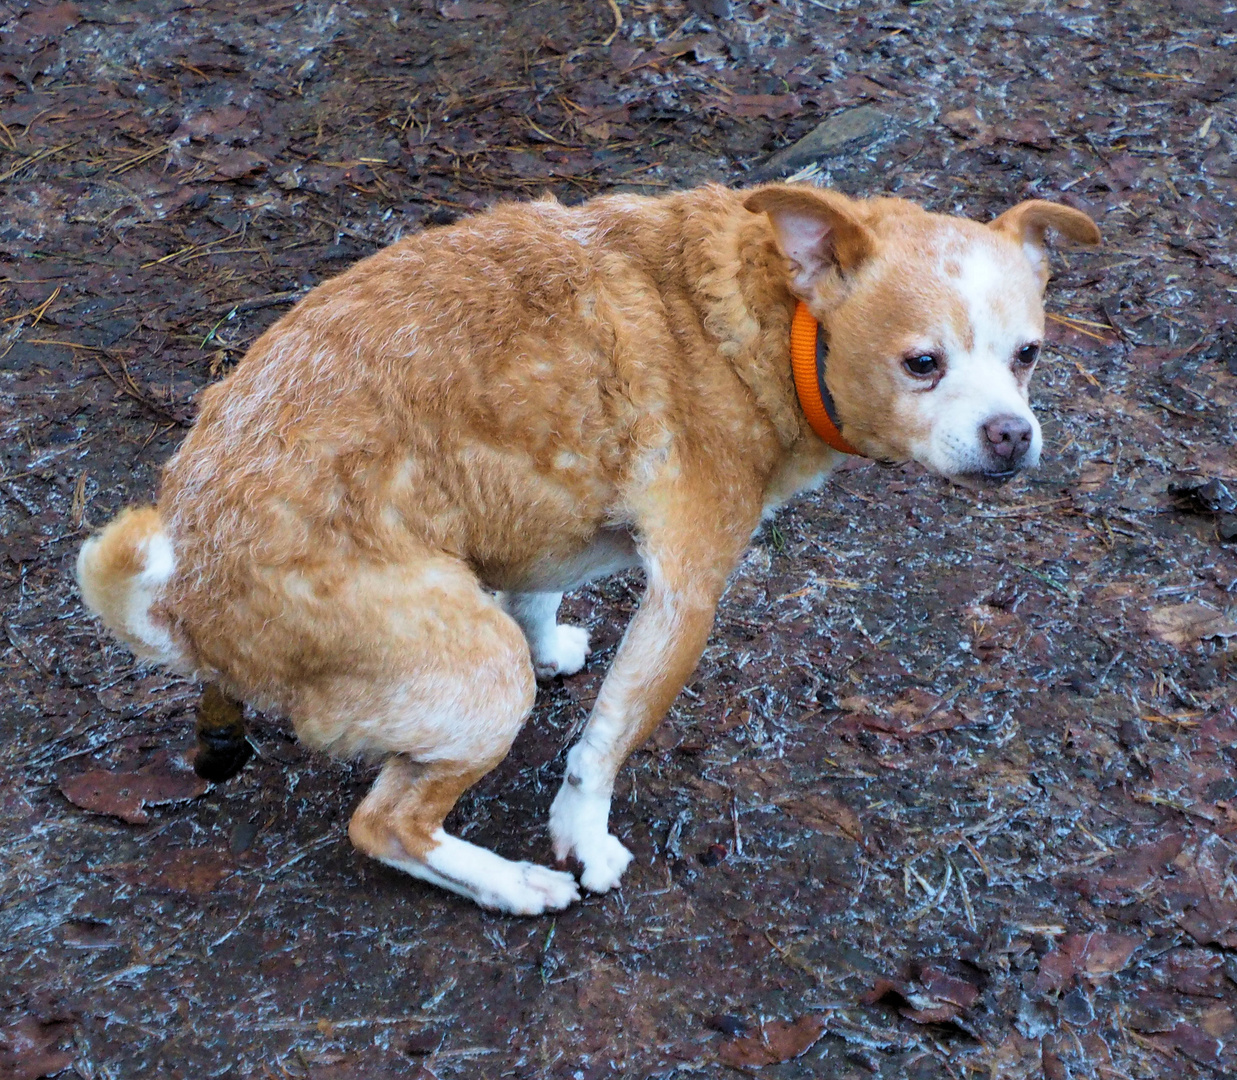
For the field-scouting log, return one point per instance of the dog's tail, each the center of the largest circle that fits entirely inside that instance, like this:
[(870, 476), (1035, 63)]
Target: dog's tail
[(120, 572)]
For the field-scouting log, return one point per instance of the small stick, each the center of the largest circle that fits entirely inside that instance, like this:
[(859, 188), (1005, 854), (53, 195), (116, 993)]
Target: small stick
[(618, 22), (734, 817)]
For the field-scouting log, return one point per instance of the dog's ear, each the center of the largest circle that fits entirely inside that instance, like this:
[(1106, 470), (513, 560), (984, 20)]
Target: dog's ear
[(816, 230), (1029, 222)]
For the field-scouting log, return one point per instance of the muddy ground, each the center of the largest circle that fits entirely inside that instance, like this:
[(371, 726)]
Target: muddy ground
[(952, 793)]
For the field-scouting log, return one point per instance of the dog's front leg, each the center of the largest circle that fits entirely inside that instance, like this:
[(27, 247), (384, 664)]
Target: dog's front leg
[(663, 643)]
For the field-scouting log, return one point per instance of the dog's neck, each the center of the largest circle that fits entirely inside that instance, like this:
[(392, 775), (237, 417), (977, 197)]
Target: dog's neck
[(739, 289), (809, 354)]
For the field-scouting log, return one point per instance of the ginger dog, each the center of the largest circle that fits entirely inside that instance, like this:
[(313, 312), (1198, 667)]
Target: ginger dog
[(522, 402)]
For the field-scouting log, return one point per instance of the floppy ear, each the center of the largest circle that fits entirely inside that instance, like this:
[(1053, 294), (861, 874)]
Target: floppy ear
[(816, 230), (1028, 223)]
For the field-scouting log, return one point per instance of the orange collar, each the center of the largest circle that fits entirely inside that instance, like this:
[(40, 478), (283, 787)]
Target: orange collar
[(808, 352)]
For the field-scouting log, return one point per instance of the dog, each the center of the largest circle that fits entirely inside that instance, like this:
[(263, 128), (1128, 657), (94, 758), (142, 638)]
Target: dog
[(372, 522)]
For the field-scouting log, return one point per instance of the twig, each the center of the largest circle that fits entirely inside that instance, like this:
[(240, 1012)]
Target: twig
[(130, 388), (966, 896), (734, 818), (32, 159), (618, 22), (933, 902)]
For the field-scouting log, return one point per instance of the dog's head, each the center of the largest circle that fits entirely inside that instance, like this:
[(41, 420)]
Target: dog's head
[(934, 323)]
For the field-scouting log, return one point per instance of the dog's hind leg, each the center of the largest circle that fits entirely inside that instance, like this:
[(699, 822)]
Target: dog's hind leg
[(556, 649), (440, 680), (400, 823)]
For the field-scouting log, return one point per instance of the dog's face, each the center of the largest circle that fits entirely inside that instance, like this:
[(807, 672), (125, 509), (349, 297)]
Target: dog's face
[(934, 323)]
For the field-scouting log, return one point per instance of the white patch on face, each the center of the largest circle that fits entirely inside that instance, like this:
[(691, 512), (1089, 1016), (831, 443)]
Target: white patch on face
[(979, 383)]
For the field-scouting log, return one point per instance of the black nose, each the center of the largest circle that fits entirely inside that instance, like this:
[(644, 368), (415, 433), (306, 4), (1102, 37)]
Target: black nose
[(1008, 438)]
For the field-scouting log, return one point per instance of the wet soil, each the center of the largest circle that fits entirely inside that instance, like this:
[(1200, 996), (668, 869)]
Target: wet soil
[(952, 792)]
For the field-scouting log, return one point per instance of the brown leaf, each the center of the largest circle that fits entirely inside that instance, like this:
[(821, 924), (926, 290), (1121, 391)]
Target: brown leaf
[(763, 779), (917, 712), (1199, 972), (27, 1051), (826, 815), (50, 21), (192, 871), (1085, 954), (1094, 475), (775, 1042), (770, 106), (936, 998), (227, 123), (884, 987), (1135, 869), (469, 9), (1192, 1042), (703, 47), (945, 987), (1183, 625), (966, 123), (126, 794), (1213, 922), (624, 56), (240, 164), (1030, 132)]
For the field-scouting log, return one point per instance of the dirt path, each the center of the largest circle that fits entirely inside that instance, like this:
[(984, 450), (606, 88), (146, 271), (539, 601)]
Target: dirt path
[(952, 793)]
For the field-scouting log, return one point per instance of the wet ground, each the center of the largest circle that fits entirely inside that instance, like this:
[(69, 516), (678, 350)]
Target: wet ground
[(952, 793)]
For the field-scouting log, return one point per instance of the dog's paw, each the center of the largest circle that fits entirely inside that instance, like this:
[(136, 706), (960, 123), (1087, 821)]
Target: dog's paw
[(578, 830), (563, 653), (538, 889), (604, 861), (524, 888)]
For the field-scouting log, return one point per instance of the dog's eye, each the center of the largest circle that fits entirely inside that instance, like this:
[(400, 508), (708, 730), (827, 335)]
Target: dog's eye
[(1028, 353), (926, 364)]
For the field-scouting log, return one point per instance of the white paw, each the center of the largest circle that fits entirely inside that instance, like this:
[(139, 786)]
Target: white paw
[(538, 889), (578, 828), (562, 653), (604, 861), (518, 888)]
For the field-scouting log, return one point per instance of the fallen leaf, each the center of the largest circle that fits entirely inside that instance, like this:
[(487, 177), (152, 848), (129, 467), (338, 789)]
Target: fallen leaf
[(624, 56), (1094, 475), (126, 794), (935, 997), (1085, 954), (1134, 869), (775, 1042), (1183, 625), (469, 9), (191, 871), (945, 987), (27, 1051), (826, 815), (50, 21), (770, 106), (1033, 133), (227, 123), (241, 164), (966, 123), (1213, 922), (1192, 1042), (1199, 972)]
